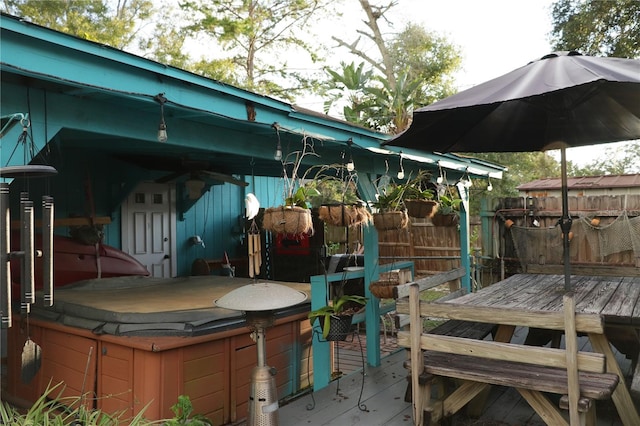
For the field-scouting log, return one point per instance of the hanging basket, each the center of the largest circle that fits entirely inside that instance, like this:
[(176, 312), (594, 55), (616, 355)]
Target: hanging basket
[(287, 220), (344, 215), (386, 221), (421, 208), (339, 327), (445, 219), (383, 289)]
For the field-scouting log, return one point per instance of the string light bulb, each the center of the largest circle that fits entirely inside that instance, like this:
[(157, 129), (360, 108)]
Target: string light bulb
[(440, 178), (351, 165), (278, 154), (162, 132), (162, 128), (401, 171), (468, 183)]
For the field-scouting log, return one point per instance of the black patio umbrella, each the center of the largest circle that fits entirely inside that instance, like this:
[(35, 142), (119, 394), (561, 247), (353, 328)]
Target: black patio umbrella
[(562, 100)]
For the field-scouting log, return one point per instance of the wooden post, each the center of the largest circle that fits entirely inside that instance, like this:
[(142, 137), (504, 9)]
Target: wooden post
[(572, 361), (372, 312), (417, 364)]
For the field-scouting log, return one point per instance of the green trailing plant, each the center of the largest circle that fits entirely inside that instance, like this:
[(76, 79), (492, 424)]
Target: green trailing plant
[(449, 205), (50, 409), (333, 184), (182, 411), (301, 197), (390, 198), (418, 187), (331, 190), (343, 305)]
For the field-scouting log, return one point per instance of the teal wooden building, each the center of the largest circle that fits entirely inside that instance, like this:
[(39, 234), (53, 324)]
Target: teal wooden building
[(94, 114)]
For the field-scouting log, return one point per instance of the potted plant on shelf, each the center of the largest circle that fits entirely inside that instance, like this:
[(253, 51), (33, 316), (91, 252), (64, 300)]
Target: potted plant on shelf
[(419, 197), (448, 213), (294, 216), (335, 319)]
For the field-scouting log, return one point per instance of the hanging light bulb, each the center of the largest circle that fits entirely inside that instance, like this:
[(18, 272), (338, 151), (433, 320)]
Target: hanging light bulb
[(350, 165), (162, 132), (439, 180), (278, 154), (401, 171), (468, 183), (489, 186), (162, 128)]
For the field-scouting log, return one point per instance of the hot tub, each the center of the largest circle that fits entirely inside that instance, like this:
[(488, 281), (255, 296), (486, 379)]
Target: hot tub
[(145, 341)]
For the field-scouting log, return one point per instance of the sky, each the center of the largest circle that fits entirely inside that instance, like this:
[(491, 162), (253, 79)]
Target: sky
[(495, 37)]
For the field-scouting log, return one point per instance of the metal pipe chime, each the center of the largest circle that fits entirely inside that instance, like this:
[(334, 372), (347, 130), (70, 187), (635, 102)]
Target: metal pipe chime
[(27, 254), (5, 271), (47, 249), (27, 282)]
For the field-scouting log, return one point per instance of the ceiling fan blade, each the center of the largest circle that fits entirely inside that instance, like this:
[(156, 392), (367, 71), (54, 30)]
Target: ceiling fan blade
[(224, 178)]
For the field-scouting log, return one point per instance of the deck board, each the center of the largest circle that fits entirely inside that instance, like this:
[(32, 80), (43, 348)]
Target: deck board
[(383, 396)]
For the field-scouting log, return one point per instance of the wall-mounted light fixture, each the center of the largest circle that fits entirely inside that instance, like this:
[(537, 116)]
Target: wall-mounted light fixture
[(278, 154), (162, 128), (401, 171)]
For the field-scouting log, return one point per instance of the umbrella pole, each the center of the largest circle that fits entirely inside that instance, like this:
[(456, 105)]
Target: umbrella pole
[(565, 221)]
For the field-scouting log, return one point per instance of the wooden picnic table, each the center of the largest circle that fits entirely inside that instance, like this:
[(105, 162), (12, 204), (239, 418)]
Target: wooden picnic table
[(617, 299)]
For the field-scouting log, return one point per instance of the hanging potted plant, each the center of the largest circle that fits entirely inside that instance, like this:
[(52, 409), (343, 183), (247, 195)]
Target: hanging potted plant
[(337, 199), (448, 213), (294, 216), (390, 214), (418, 197), (335, 319)]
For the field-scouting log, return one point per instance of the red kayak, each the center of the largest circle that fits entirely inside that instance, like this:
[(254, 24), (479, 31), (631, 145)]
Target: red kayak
[(74, 261)]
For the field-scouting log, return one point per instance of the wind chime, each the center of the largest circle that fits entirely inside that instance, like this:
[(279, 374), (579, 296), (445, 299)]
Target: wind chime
[(254, 242), (27, 252)]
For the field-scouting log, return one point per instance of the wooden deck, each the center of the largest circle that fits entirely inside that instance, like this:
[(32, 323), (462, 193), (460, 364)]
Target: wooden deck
[(380, 401)]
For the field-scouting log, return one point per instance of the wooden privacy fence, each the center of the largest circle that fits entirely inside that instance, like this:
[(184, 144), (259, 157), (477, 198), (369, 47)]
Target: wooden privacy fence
[(523, 233), (432, 248), (605, 231)]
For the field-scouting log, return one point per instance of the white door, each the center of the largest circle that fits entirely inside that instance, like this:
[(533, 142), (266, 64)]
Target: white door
[(148, 232)]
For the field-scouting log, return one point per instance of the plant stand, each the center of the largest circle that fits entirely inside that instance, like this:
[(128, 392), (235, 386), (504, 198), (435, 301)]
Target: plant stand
[(340, 334)]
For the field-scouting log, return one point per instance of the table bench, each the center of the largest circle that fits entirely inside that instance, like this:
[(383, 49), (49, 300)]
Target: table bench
[(578, 377), (457, 328)]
